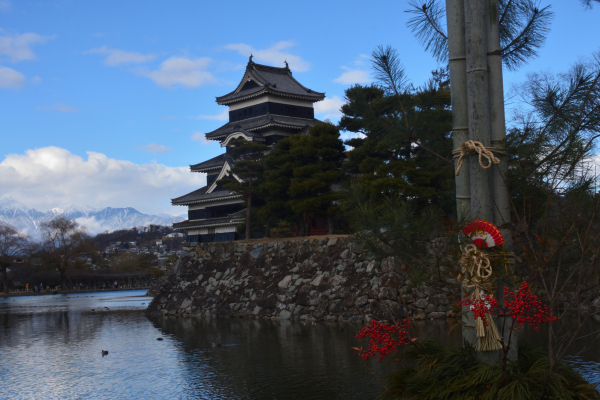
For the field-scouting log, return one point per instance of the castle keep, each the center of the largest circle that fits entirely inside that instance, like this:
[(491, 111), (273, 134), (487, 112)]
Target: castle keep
[(267, 105)]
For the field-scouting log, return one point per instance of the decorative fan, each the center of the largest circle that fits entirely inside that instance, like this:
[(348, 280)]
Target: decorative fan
[(483, 233)]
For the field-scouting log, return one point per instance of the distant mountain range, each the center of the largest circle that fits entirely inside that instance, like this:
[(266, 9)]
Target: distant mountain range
[(28, 220)]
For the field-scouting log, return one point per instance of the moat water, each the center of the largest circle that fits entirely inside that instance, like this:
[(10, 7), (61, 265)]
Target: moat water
[(50, 348)]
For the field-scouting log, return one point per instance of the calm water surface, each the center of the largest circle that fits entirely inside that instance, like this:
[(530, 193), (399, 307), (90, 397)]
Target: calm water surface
[(50, 348)]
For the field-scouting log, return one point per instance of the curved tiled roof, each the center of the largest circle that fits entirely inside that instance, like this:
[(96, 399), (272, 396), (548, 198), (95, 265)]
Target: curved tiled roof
[(200, 196), (214, 163), (271, 80), (260, 122), (206, 223)]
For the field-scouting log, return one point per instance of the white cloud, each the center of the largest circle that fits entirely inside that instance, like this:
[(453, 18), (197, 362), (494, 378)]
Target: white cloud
[(352, 77), (356, 72), (9, 78), (329, 108), (4, 5), (351, 135), (57, 107), (45, 177), (274, 55), (116, 57), (92, 225), (223, 116), (180, 71), (201, 137), (155, 148), (18, 47), (36, 79)]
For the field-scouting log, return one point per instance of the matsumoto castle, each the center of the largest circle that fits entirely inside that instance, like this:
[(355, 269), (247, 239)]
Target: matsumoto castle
[(267, 105)]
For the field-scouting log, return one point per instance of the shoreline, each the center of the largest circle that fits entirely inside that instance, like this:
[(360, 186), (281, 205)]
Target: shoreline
[(23, 294)]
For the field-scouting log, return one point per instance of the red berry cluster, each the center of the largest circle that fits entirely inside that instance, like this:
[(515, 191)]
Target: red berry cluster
[(384, 338), (524, 307), (480, 305)]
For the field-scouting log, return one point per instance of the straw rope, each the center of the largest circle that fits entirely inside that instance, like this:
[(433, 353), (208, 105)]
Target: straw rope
[(476, 264), (488, 337), (474, 147), (477, 268)]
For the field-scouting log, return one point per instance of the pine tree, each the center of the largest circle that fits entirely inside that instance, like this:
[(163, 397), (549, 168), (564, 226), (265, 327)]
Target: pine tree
[(300, 172), (246, 173), (317, 158), (278, 173), (405, 132)]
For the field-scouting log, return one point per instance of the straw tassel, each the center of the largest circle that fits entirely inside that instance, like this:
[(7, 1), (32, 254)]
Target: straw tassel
[(488, 337)]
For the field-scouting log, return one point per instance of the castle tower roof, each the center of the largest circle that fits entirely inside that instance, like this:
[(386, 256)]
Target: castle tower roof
[(263, 79)]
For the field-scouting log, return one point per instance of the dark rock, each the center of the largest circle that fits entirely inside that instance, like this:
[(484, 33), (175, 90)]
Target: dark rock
[(327, 278), (388, 293), (361, 301)]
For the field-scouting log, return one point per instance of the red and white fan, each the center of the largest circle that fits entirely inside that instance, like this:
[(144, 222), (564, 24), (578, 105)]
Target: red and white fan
[(484, 234)]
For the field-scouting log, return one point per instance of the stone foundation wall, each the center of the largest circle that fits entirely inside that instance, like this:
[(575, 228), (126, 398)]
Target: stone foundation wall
[(315, 278)]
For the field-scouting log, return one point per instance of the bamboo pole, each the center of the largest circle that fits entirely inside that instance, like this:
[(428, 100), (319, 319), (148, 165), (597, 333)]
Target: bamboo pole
[(501, 196), (455, 18), (500, 190), (478, 101), (478, 104)]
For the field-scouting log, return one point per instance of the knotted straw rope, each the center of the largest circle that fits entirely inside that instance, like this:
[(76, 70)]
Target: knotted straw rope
[(475, 147), (476, 264)]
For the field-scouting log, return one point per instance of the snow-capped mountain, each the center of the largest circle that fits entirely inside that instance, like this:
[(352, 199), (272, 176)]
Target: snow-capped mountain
[(28, 220)]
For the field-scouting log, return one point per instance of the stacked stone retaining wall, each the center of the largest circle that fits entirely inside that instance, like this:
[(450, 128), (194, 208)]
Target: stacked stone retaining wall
[(314, 278)]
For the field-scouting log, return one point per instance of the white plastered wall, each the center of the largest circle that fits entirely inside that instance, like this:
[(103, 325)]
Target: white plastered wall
[(275, 99), (218, 229), (201, 206)]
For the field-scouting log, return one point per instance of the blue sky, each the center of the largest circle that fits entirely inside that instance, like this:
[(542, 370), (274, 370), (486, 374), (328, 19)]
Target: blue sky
[(104, 103)]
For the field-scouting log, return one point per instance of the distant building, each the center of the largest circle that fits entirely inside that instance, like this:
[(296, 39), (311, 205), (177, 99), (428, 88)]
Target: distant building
[(267, 105), (175, 235)]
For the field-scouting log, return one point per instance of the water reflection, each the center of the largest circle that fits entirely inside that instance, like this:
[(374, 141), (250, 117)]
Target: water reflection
[(274, 359), (50, 349)]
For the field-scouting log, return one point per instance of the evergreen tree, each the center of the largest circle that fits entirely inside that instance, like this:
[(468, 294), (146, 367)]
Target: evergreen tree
[(523, 28), (405, 131), (246, 173), (300, 171), (317, 158), (589, 3), (553, 141), (278, 173)]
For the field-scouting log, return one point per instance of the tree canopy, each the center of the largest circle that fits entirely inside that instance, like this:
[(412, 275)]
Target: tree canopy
[(246, 174), (12, 245), (300, 174), (403, 135), (63, 240)]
